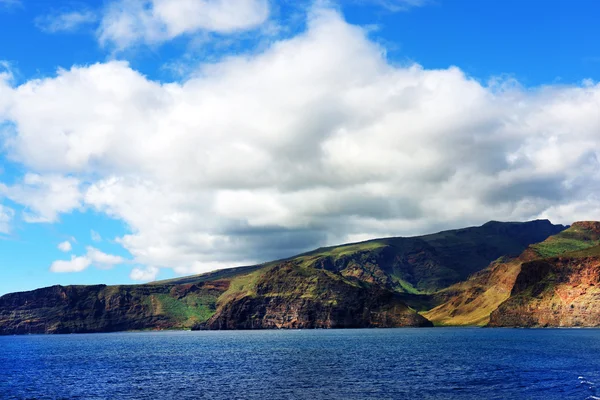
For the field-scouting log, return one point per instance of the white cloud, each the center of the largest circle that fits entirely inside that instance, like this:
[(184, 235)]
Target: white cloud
[(65, 246), (6, 217), (317, 140), (93, 256), (75, 264), (44, 196), (6, 79), (145, 274), (66, 21), (130, 22), (95, 236), (103, 260)]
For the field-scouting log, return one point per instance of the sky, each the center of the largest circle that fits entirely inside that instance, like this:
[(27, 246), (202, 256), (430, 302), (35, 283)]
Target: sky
[(148, 139)]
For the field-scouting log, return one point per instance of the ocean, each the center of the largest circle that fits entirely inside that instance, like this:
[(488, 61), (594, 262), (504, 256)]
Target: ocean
[(407, 363)]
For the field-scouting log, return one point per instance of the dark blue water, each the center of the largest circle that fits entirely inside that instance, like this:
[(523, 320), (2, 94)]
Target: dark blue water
[(442, 363)]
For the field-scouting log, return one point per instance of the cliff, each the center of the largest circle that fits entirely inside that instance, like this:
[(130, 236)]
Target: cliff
[(378, 283), (100, 308), (474, 301), (293, 296), (557, 292)]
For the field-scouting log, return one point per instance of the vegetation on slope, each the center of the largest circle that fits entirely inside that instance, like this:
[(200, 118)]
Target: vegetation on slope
[(426, 264), (413, 265), (473, 301), (356, 285), (588, 252), (100, 308), (580, 236), (292, 295)]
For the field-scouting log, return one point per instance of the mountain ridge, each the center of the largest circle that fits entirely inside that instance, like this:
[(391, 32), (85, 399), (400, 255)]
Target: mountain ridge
[(430, 243), (375, 283)]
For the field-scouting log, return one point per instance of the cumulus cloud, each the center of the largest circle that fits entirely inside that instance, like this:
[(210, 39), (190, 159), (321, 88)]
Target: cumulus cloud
[(93, 257), (66, 21), (65, 246), (130, 22), (103, 260), (145, 274), (44, 196), (75, 264), (317, 140)]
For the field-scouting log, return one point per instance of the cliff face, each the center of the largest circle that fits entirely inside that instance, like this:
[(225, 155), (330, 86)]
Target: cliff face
[(81, 309), (292, 296), (473, 301), (365, 284), (562, 292)]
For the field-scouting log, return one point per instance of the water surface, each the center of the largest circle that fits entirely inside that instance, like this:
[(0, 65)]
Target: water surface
[(440, 363)]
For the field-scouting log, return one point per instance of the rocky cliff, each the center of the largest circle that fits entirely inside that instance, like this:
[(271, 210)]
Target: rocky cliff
[(558, 292), (473, 302), (293, 296), (378, 283), (81, 309)]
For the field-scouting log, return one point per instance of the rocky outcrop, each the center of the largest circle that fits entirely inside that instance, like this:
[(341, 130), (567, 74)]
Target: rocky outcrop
[(558, 292), (100, 308), (473, 301), (291, 296), (592, 228)]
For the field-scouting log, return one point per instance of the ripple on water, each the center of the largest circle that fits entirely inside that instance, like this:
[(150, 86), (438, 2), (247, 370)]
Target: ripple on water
[(319, 364)]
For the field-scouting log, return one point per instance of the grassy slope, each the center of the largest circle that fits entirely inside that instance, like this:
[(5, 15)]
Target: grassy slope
[(589, 252), (413, 265), (222, 274), (474, 300), (577, 237), (304, 284), (186, 311), (183, 306), (306, 259), (426, 264), (336, 253)]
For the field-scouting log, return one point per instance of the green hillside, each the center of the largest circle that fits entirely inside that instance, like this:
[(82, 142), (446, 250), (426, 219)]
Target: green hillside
[(377, 283)]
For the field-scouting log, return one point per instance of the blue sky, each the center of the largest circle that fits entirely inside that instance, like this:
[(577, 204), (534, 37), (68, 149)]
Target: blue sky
[(168, 138), (535, 44)]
